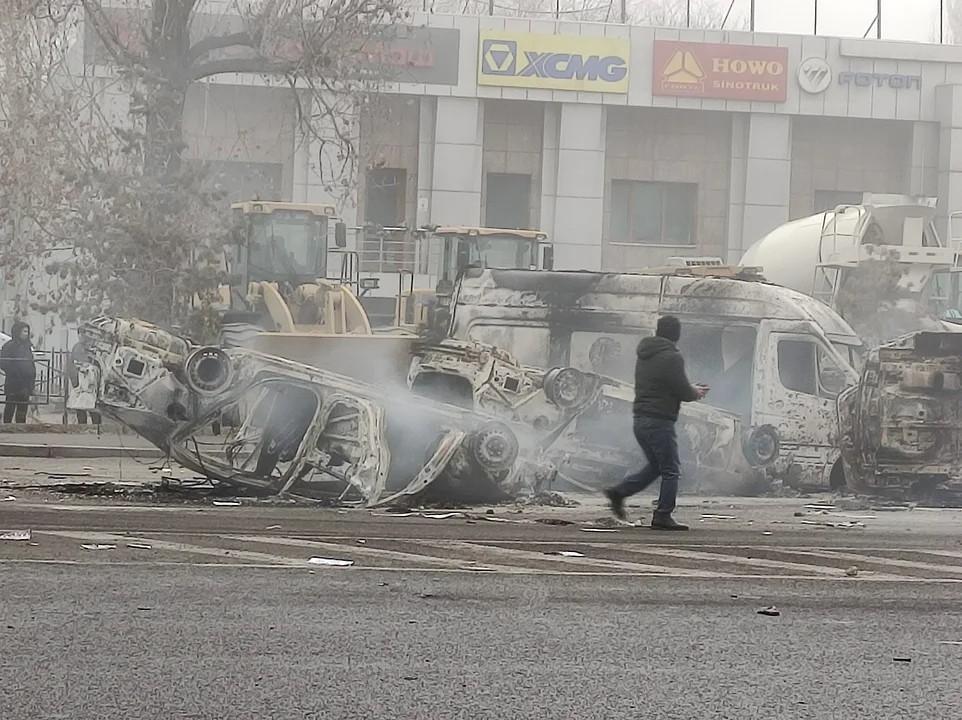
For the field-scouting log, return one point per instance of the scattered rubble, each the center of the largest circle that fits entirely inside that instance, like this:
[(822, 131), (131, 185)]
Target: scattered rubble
[(17, 535), (770, 611)]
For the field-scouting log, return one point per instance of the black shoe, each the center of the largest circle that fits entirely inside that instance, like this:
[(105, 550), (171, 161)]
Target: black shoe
[(617, 503), (665, 522)]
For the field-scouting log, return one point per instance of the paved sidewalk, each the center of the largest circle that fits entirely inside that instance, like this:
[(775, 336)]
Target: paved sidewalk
[(73, 444)]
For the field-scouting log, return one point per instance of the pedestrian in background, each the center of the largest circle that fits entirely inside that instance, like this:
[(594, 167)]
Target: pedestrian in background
[(78, 356), (20, 373), (661, 386)]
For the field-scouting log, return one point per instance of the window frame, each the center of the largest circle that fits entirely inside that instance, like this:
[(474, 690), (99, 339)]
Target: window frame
[(820, 354), (527, 225), (663, 188)]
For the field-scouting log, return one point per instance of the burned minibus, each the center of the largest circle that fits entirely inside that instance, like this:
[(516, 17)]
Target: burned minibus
[(773, 356)]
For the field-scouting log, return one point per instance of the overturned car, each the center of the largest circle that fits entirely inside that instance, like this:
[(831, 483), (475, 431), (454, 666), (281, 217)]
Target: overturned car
[(270, 425), (901, 425), (581, 419)]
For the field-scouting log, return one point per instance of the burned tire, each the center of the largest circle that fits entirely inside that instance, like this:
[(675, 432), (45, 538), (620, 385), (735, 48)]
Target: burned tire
[(837, 480), (760, 445), (494, 448)]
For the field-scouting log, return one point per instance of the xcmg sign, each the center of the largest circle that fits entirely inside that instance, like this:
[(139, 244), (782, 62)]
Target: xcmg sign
[(553, 62)]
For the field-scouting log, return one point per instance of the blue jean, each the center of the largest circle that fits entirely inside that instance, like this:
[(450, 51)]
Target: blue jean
[(660, 444)]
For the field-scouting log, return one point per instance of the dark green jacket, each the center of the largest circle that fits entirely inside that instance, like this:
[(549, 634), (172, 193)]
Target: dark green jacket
[(661, 385)]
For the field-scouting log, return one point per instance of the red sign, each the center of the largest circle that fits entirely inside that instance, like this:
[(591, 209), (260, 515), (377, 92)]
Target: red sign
[(726, 72)]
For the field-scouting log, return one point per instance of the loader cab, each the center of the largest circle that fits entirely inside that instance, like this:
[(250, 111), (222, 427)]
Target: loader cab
[(283, 242), (447, 251)]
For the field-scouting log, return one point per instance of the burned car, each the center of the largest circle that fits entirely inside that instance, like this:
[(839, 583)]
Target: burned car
[(582, 419), (269, 425), (901, 425)]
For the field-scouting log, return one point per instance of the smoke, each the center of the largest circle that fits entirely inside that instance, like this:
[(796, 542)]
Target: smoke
[(873, 302)]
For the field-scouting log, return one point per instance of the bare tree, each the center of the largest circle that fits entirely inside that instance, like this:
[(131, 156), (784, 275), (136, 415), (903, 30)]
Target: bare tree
[(128, 226)]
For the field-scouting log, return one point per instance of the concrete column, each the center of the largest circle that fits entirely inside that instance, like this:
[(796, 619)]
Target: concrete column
[(949, 111), (923, 160), (767, 176), (580, 191), (426, 130), (738, 168), (458, 143), (551, 138)]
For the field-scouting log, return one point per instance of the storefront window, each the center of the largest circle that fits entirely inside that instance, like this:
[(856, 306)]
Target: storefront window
[(650, 213)]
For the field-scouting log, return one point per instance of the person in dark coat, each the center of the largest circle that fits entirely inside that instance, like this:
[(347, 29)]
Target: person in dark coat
[(20, 373), (661, 386)]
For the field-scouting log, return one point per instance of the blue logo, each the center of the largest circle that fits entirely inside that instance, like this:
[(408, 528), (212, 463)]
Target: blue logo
[(499, 57)]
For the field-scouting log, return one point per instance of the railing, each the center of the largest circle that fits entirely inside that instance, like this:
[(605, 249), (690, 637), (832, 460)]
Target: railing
[(386, 250), (51, 384)]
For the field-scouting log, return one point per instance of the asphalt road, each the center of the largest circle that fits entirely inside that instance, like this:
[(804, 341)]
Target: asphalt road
[(203, 611)]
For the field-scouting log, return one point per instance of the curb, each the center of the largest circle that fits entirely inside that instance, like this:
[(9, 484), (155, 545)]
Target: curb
[(75, 451)]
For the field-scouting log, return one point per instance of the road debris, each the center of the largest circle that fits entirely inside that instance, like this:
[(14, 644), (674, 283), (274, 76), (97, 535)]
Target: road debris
[(769, 611), (226, 503), (565, 553), (97, 546), (767, 532), (950, 642), (599, 530), (330, 562), (820, 507), (852, 571), (838, 525), (902, 659), (710, 516), (139, 546), (16, 535), (8, 498), (273, 527)]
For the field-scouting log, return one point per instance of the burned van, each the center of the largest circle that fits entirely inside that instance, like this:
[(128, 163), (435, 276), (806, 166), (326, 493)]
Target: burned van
[(776, 358)]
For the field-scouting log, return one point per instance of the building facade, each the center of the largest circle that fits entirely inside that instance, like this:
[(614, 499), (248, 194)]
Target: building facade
[(626, 145)]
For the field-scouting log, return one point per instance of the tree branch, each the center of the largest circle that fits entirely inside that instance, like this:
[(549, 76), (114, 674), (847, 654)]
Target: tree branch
[(217, 42), (242, 65)]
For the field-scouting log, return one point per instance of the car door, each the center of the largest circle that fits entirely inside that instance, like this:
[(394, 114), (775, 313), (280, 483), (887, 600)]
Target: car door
[(799, 376)]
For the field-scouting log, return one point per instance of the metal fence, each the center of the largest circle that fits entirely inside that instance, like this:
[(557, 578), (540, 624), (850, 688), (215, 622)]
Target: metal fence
[(387, 250), (51, 385)]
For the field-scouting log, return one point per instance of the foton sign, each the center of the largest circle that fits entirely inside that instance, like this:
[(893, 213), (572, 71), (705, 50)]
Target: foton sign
[(726, 72)]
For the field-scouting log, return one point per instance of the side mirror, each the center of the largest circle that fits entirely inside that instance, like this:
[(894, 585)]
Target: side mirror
[(548, 258), (340, 235)]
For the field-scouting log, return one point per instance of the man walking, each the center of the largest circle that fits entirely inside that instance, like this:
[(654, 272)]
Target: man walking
[(661, 386), (20, 373)]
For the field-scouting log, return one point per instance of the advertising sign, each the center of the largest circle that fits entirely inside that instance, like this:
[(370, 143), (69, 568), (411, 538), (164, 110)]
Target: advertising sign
[(410, 54), (553, 62), (726, 72)]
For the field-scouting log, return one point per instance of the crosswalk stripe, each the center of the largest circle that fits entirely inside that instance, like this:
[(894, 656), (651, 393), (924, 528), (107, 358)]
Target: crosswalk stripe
[(641, 568), (876, 560), (120, 540), (366, 551), (804, 568)]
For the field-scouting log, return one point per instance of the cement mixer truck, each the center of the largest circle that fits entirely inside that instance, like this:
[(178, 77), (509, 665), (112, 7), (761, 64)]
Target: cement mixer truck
[(884, 254)]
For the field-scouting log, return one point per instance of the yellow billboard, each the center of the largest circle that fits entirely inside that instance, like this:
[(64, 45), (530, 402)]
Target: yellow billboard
[(553, 62)]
